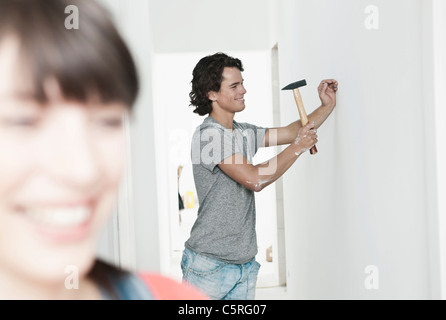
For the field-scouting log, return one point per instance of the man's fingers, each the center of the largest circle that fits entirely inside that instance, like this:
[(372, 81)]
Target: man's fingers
[(310, 126), (310, 131), (323, 85), (328, 83)]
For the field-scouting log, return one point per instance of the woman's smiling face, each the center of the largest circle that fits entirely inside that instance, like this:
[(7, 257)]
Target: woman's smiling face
[(60, 168)]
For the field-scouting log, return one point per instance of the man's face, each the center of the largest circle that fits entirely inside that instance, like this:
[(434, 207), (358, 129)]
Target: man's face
[(231, 95), (60, 169)]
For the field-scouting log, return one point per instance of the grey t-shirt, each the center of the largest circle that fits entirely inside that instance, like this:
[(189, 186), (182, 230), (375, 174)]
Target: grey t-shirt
[(225, 225)]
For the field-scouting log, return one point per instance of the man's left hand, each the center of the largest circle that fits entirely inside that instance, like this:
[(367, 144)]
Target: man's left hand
[(327, 92)]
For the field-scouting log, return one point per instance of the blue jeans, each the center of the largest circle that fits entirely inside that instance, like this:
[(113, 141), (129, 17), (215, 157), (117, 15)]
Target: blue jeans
[(220, 280)]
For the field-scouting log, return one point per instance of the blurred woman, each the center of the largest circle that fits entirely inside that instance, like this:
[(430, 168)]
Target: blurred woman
[(63, 96)]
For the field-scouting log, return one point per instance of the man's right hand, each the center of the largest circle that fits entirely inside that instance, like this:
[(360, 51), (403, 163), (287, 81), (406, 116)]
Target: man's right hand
[(306, 138)]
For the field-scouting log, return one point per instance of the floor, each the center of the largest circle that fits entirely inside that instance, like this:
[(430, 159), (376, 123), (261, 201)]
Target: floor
[(266, 290)]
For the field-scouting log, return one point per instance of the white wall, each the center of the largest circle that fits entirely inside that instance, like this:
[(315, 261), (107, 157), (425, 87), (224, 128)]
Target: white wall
[(132, 18), (439, 9), (361, 200), (209, 25)]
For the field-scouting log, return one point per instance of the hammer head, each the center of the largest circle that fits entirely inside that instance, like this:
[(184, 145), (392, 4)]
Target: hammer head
[(295, 85)]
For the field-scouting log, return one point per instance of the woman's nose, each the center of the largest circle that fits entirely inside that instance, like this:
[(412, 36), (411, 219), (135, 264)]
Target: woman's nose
[(69, 153)]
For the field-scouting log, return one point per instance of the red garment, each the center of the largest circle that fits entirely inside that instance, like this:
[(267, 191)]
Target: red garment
[(163, 288)]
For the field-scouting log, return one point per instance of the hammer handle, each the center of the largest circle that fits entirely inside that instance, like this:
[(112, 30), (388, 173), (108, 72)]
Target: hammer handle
[(302, 113)]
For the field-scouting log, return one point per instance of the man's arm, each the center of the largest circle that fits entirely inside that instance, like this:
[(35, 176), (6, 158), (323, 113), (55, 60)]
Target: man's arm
[(256, 178), (286, 135)]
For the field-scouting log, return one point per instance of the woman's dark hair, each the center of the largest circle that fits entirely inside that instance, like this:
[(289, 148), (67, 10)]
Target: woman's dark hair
[(207, 76), (91, 61)]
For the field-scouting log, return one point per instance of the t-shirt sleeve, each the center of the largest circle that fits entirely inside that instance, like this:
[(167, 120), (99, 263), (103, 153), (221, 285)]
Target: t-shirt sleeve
[(211, 145), (255, 134)]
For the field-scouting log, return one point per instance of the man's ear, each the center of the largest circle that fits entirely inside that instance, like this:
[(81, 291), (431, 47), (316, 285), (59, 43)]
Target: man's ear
[(212, 95)]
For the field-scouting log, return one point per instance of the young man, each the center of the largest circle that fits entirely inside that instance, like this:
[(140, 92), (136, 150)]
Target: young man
[(219, 256)]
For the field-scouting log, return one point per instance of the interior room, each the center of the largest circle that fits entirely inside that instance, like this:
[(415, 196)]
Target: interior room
[(364, 218)]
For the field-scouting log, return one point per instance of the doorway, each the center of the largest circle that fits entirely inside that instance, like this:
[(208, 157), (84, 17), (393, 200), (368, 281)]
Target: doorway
[(175, 124)]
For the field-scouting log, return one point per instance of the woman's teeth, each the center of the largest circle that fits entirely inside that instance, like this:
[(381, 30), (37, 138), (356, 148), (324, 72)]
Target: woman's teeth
[(60, 217)]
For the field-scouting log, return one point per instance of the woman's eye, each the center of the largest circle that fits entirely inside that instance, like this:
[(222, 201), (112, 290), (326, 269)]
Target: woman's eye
[(25, 122), (108, 119), (111, 122)]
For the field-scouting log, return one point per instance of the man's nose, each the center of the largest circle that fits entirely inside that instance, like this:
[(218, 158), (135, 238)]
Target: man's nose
[(243, 91)]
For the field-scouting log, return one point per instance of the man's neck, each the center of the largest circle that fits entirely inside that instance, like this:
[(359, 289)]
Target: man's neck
[(226, 119)]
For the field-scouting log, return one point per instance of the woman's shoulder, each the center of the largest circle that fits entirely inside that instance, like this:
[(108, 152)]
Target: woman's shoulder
[(118, 284)]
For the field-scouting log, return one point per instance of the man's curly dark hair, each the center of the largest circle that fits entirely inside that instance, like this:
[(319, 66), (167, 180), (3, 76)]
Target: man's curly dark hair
[(207, 76)]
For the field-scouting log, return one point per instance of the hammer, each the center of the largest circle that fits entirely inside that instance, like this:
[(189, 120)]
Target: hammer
[(300, 105)]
